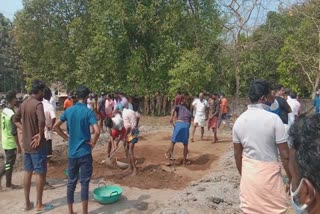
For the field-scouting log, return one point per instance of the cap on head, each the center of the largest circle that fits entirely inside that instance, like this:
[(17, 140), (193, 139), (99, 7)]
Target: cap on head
[(82, 92)]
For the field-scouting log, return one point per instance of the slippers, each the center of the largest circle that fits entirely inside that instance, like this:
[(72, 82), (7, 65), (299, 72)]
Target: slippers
[(45, 208), (30, 208)]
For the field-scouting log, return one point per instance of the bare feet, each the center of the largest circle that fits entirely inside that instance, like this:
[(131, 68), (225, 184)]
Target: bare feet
[(12, 187), (48, 186), (134, 172), (187, 162), (128, 171), (28, 207)]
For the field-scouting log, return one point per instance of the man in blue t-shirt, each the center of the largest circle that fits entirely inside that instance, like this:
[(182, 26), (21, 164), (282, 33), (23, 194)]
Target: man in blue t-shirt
[(316, 102), (79, 118)]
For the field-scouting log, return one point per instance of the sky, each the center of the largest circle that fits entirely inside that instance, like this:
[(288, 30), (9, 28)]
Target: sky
[(9, 7)]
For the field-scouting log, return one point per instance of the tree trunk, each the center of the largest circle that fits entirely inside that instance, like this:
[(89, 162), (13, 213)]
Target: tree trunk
[(236, 69)]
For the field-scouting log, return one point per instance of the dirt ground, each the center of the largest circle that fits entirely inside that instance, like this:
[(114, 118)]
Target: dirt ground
[(209, 185), (151, 162)]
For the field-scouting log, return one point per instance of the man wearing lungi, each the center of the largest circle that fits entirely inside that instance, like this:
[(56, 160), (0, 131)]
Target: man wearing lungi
[(257, 136), (201, 105), (180, 134)]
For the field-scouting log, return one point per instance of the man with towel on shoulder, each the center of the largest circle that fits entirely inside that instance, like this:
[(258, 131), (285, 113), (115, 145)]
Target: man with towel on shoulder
[(256, 148)]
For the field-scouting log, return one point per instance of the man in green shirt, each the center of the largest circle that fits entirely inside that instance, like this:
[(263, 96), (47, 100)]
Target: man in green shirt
[(9, 138)]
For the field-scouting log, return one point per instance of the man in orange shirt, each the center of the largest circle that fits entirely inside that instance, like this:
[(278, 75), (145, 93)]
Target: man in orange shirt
[(68, 102), (224, 111)]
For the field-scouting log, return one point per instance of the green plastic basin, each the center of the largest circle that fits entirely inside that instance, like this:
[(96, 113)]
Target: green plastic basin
[(107, 194)]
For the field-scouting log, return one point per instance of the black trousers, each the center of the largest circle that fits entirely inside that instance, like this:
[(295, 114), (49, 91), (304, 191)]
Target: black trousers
[(49, 147), (11, 155)]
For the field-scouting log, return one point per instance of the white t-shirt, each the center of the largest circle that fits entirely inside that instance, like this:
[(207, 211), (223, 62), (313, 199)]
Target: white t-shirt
[(259, 131), (49, 114), (117, 122), (53, 103), (89, 104), (200, 107), (124, 102), (130, 118), (298, 106), (294, 110)]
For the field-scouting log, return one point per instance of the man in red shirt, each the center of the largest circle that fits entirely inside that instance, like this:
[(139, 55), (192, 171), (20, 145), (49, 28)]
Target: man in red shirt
[(224, 110), (68, 102)]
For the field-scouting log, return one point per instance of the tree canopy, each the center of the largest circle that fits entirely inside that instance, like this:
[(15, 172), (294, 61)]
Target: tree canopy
[(145, 46)]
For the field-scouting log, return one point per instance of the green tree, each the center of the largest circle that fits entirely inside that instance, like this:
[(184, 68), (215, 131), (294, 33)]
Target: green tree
[(10, 59)]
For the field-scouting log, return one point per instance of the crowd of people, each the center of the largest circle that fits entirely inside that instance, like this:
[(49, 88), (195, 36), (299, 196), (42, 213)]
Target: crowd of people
[(273, 129), (36, 119)]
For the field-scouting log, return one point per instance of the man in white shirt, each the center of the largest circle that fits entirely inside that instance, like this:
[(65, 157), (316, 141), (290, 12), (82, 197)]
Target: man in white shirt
[(258, 135), (50, 116), (116, 130), (89, 102), (53, 102), (294, 108), (50, 119), (201, 105), (297, 105)]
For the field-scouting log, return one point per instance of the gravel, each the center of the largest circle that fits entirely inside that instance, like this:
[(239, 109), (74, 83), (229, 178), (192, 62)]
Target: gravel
[(217, 192)]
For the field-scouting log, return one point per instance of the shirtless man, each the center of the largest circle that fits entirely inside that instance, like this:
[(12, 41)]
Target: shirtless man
[(131, 122)]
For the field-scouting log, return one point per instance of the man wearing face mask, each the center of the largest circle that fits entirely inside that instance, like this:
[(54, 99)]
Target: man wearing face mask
[(257, 136), (304, 165)]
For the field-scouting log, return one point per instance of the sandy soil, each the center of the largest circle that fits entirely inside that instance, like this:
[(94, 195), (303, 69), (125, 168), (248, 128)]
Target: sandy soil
[(209, 185), (151, 162)]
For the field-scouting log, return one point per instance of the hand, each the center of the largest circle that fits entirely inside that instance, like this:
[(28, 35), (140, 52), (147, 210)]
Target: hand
[(114, 146), (35, 141), (91, 144)]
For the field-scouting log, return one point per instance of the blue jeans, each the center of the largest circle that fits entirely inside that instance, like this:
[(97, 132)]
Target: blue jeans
[(36, 162), (84, 164)]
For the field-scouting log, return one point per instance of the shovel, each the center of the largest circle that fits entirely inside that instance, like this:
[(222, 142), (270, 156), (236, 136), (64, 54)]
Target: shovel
[(108, 160)]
